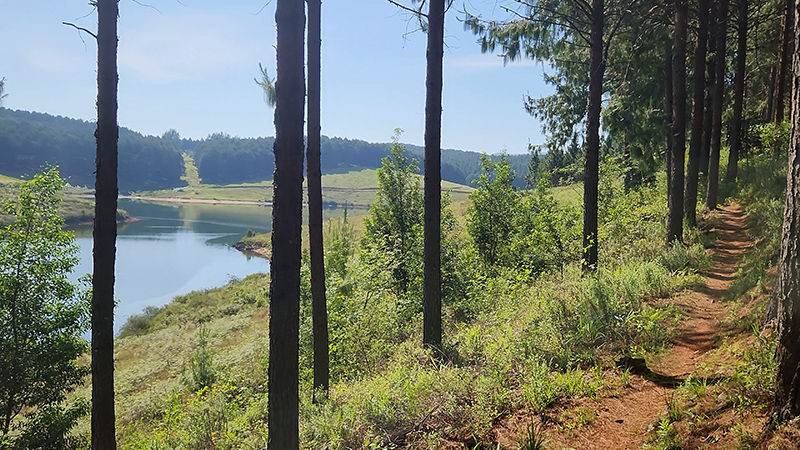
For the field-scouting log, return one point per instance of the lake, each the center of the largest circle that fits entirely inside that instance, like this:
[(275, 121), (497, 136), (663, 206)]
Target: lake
[(173, 249)]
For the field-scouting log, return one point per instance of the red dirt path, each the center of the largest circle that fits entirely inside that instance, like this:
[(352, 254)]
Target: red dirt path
[(622, 421)]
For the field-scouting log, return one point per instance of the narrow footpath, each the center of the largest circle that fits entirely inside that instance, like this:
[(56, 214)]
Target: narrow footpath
[(622, 421)]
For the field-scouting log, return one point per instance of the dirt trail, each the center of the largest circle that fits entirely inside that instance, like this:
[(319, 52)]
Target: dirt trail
[(622, 421)]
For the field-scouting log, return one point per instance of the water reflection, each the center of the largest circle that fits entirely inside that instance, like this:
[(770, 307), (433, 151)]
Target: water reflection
[(171, 250)]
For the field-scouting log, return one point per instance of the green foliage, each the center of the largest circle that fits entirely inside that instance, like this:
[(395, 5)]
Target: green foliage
[(393, 237), (50, 428), (666, 437), (769, 137), (533, 439), (528, 232), (42, 318), (599, 314), (201, 372), (490, 218), (340, 247), (752, 382), (145, 162), (223, 159), (513, 341), (267, 84), (763, 183), (138, 324), (548, 235)]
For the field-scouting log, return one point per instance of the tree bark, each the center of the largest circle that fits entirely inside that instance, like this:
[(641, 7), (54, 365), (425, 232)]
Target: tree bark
[(675, 197), (432, 273), (787, 392), (319, 303), (738, 94), (597, 67), (773, 77), (699, 94), (784, 59), (708, 115), (669, 99), (287, 217), (719, 94), (105, 229)]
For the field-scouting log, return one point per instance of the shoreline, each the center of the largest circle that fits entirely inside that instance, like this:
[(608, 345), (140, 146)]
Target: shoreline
[(182, 200), (256, 250)]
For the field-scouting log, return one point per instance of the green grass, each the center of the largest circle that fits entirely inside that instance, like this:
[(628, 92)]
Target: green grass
[(190, 175), (569, 195), (525, 345), (355, 188), (74, 210)]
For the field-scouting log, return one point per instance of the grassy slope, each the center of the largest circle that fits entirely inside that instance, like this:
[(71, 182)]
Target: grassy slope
[(353, 187), (390, 390), (492, 374), (565, 195), (74, 210)]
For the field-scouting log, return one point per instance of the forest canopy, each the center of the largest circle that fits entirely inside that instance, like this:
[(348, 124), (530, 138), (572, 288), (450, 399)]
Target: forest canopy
[(29, 140)]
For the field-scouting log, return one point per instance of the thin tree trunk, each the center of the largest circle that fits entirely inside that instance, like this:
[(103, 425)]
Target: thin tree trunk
[(708, 115), (699, 94), (784, 59), (105, 229), (787, 392), (287, 218), (592, 169), (432, 273), (738, 94), (319, 304), (719, 94), (669, 102), (675, 199), (773, 78)]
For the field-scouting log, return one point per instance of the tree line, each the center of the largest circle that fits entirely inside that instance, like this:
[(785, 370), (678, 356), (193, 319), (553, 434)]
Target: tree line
[(30, 140), (622, 88)]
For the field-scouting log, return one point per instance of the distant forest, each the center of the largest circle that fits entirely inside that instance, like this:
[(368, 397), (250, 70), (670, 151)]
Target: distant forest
[(29, 140)]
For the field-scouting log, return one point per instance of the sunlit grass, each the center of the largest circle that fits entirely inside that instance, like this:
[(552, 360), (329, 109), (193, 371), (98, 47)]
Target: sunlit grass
[(355, 188)]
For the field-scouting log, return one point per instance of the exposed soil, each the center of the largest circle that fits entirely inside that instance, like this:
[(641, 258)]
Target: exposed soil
[(622, 421)]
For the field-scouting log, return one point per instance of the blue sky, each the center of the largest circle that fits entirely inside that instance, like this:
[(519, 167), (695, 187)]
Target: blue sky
[(190, 66)]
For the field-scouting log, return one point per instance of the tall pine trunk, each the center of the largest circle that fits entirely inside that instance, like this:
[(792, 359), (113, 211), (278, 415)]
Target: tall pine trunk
[(319, 303), (708, 115), (669, 99), (597, 67), (784, 58), (738, 94), (699, 93), (787, 392), (432, 273), (675, 197), (105, 229), (719, 97), (287, 216)]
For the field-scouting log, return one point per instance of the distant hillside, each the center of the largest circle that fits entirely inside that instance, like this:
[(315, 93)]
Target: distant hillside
[(28, 140), (223, 159)]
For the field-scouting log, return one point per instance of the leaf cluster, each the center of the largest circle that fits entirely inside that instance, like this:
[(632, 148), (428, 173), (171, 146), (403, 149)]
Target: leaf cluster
[(43, 316)]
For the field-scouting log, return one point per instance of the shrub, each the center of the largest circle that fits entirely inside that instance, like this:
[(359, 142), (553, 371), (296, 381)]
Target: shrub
[(139, 324), (201, 371), (42, 318)]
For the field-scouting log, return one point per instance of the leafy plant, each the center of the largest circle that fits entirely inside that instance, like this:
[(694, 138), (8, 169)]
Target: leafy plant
[(201, 372), (533, 439), (43, 316)]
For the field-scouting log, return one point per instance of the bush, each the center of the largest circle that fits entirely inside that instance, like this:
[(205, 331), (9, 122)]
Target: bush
[(201, 372), (42, 318), (139, 324)]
